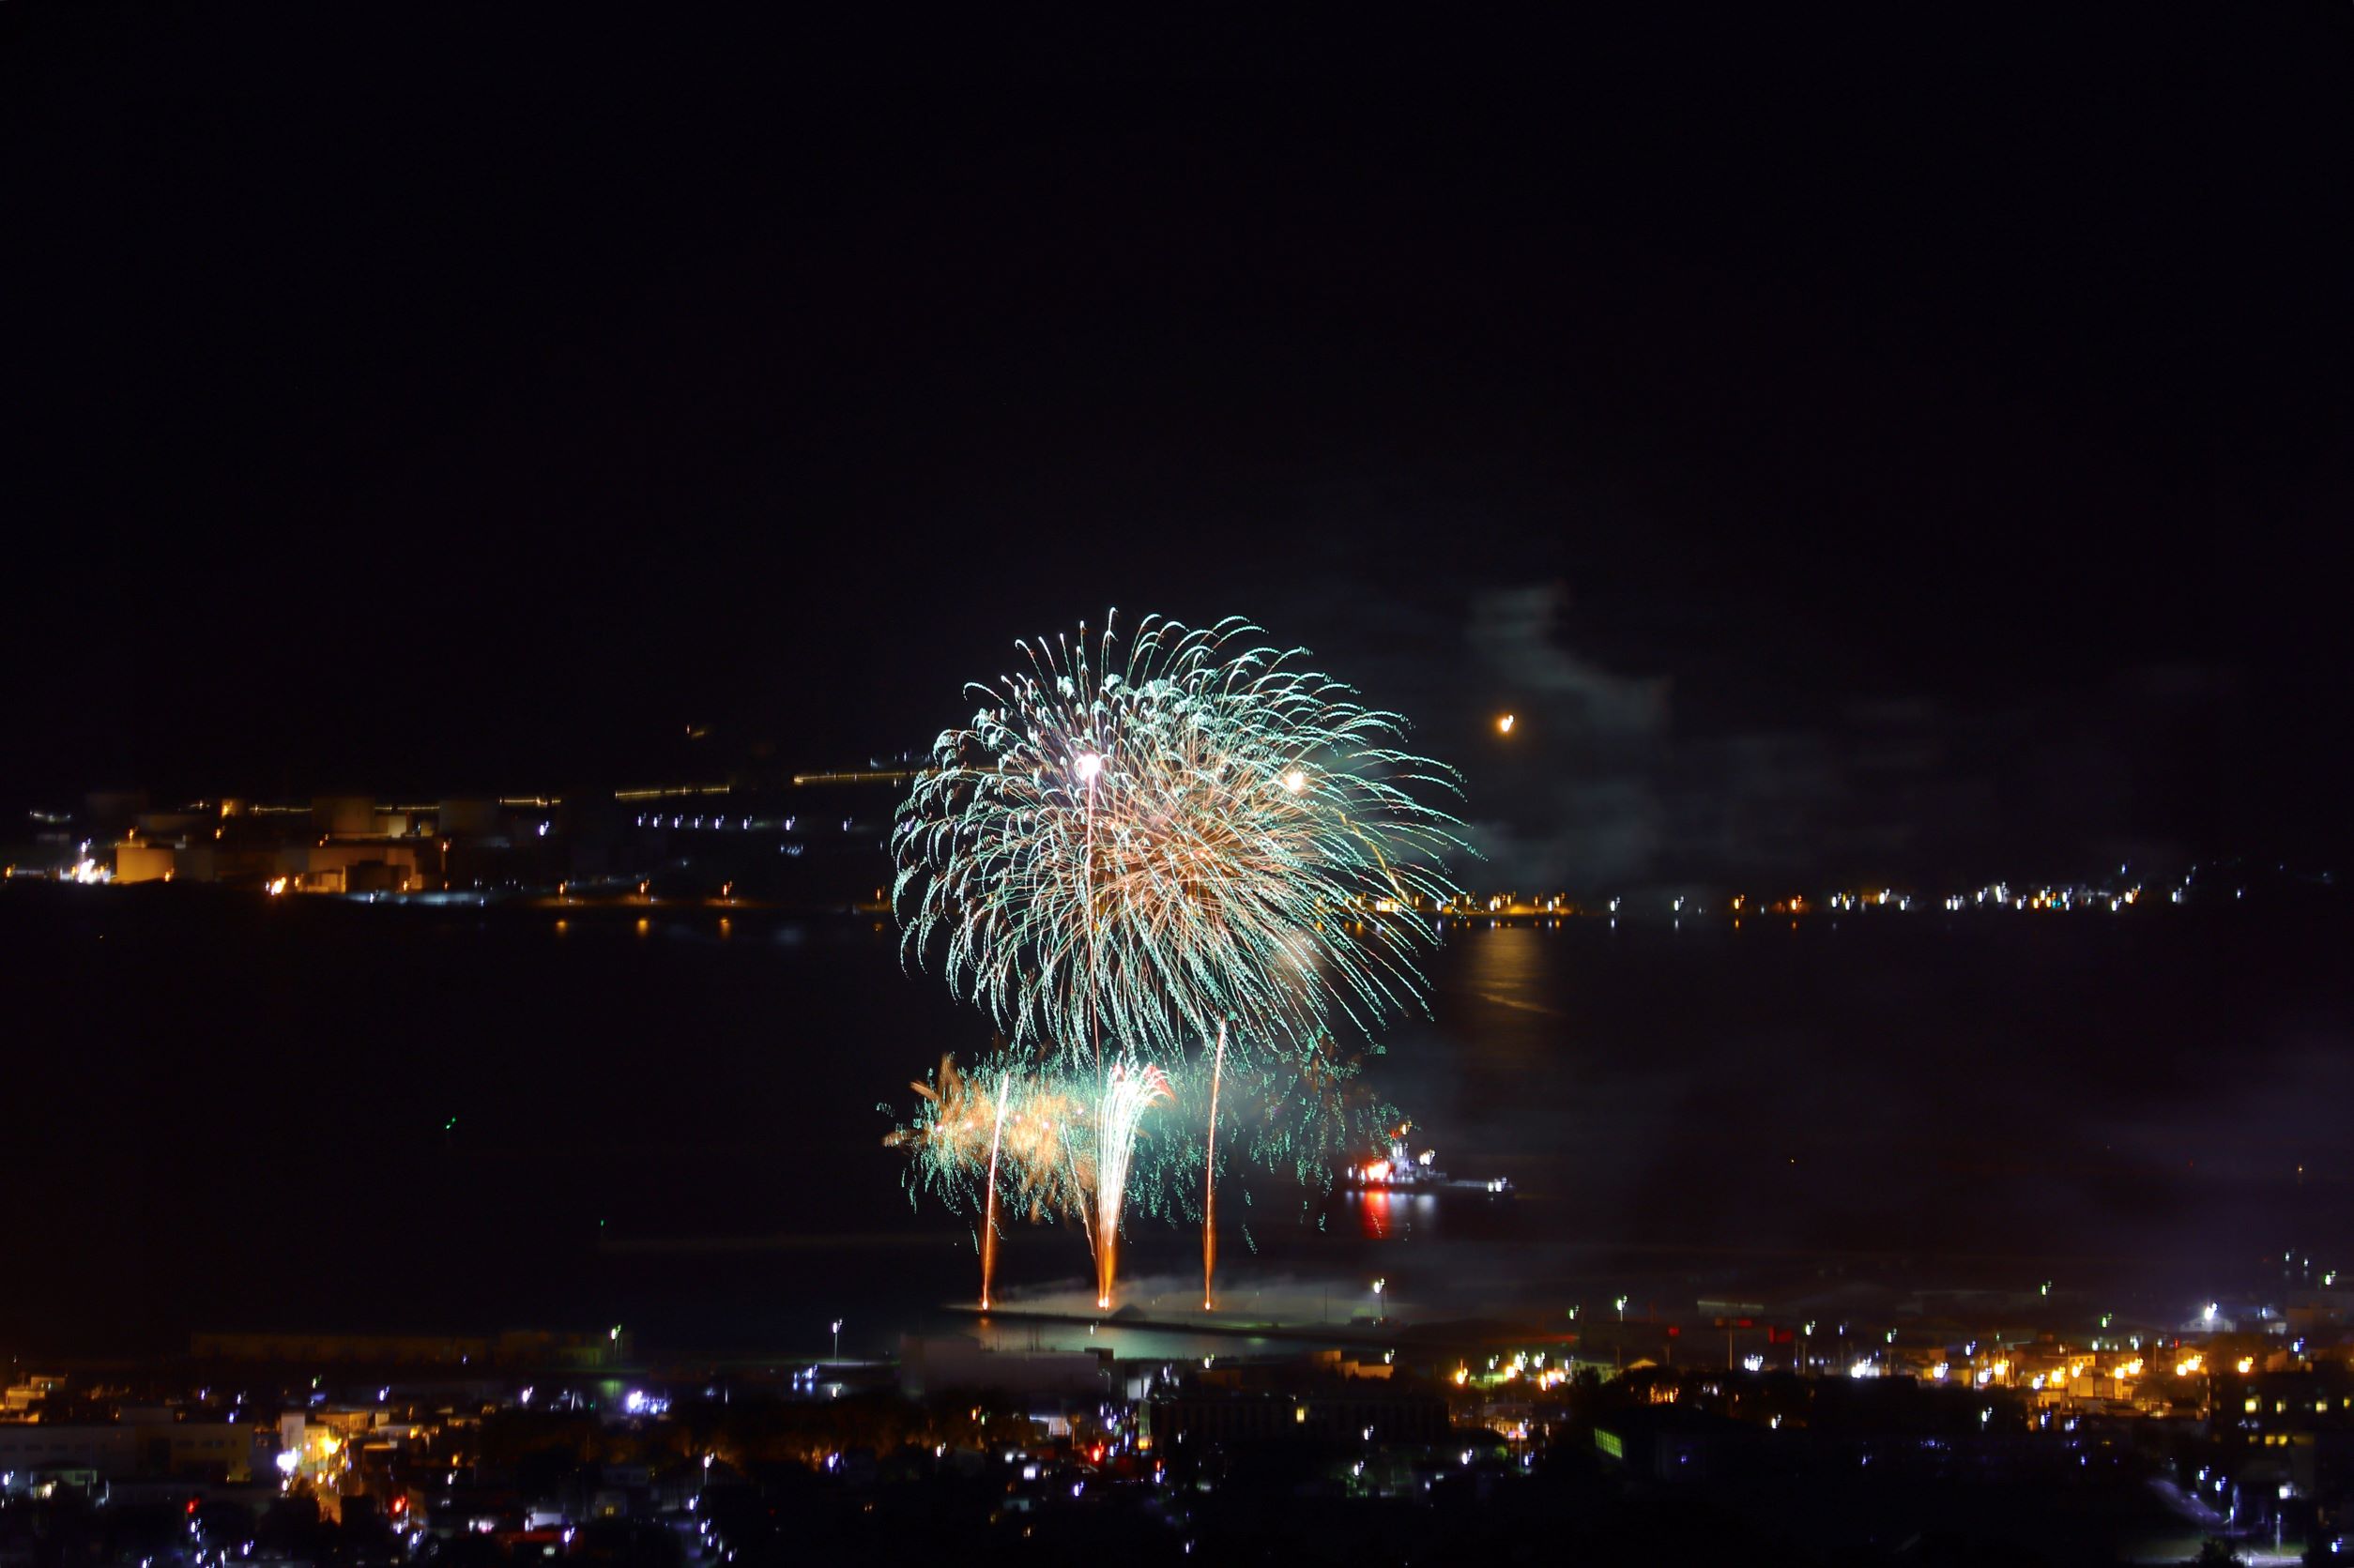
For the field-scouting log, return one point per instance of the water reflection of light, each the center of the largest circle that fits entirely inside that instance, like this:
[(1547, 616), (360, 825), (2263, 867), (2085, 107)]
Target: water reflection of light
[(1391, 1215), (1513, 968)]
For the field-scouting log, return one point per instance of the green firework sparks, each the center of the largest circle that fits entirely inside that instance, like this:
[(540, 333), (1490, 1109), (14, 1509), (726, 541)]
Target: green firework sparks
[(1132, 839), (1132, 843)]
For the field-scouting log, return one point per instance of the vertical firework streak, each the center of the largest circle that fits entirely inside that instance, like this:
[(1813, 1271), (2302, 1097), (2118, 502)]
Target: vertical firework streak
[(989, 1206), (1209, 1177), (1127, 1094), (1089, 765)]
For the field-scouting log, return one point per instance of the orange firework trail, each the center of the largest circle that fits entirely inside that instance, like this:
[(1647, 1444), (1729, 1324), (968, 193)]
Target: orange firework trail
[(988, 1215)]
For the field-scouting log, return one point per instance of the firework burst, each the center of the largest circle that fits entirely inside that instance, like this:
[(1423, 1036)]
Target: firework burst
[(1024, 1150), (1140, 839), (1154, 842)]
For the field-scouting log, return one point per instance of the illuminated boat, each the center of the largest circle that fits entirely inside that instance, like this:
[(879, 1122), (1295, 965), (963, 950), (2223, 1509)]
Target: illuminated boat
[(1402, 1170)]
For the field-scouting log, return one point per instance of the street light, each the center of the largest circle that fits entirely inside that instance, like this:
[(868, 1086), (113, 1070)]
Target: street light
[(1378, 1285), (837, 1339)]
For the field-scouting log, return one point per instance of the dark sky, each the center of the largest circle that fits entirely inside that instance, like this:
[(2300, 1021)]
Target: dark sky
[(1866, 453)]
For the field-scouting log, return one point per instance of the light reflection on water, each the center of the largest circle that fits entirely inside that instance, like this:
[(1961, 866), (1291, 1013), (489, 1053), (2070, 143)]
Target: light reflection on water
[(1687, 1105)]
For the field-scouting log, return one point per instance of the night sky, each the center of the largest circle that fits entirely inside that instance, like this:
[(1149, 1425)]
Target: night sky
[(1877, 454)]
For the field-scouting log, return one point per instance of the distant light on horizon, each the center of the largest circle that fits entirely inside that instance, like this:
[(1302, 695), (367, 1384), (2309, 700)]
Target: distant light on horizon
[(1505, 723)]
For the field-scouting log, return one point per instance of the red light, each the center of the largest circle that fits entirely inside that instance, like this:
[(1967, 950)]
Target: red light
[(191, 1505)]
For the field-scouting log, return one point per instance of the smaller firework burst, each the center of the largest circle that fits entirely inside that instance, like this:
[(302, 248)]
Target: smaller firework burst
[(1034, 1125)]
